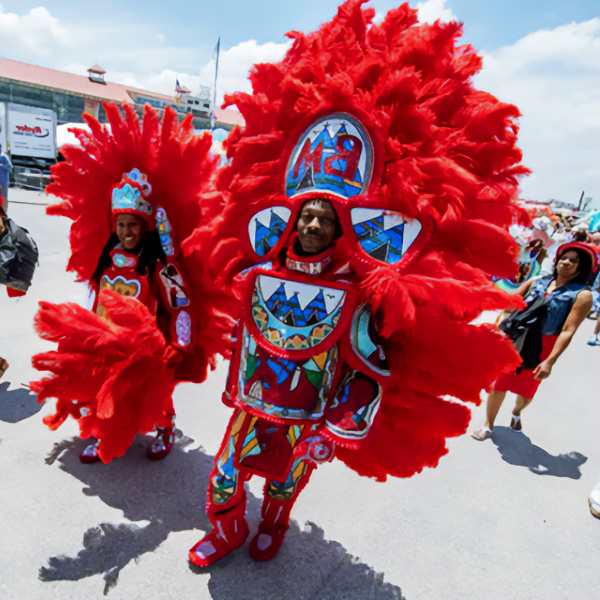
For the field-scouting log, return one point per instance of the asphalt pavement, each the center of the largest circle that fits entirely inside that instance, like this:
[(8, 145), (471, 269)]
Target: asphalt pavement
[(497, 520)]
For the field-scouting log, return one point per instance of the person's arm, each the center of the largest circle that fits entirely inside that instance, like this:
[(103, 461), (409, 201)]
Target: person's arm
[(174, 301), (522, 291), (579, 311), (526, 286)]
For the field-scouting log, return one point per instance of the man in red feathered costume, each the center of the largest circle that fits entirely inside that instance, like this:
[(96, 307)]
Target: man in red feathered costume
[(134, 192), (350, 343), (292, 378)]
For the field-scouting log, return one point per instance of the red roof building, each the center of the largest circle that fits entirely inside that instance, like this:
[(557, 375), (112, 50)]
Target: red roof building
[(70, 95)]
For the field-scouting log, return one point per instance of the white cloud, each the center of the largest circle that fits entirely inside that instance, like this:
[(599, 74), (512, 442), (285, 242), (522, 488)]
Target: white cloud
[(554, 79), (432, 10), (133, 54), (235, 63), (379, 17), (36, 34), (428, 10)]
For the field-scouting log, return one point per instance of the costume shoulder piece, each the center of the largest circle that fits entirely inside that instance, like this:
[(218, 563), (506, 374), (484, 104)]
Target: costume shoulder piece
[(422, 169)]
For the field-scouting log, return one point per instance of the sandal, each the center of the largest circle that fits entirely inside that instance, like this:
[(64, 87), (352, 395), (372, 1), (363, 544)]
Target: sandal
[(515, 423), (482, 434)]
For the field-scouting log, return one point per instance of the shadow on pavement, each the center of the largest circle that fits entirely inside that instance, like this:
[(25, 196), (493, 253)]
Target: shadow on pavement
[(169, 496), (516, 449), (17, 405), (308, 567)]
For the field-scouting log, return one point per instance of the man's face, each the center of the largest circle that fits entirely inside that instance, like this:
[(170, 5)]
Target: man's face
[(130, 230), (316, 226)]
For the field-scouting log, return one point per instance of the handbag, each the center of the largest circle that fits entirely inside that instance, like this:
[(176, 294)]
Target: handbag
[(18, 256), (524, 328)]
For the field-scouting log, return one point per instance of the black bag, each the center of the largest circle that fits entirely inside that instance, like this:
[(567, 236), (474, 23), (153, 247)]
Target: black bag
[(18, 256), (524, 328)]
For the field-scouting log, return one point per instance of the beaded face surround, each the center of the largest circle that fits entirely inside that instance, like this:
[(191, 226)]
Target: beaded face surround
[(130, 196), (333, 160)]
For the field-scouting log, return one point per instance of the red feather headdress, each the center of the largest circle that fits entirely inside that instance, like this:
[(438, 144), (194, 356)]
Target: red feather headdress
[(426, 146), (175, 163), (174, 169)]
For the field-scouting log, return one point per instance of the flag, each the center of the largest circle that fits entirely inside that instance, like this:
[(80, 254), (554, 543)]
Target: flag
[(180, 89), (177, 98)]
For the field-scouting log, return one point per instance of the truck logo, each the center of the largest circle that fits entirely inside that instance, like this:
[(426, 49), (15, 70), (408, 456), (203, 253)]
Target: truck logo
[(36, 131)]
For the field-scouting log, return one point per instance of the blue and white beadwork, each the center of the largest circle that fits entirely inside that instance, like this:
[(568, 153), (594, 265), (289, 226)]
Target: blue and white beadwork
[(164, 231), (129, 198), (362, 343), (141, 179), (294, 315), (333, 155), (124, 260), (266, 228), (384, 235), (121, 285)]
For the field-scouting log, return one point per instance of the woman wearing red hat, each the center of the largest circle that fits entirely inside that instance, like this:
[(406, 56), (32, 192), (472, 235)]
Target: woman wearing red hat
[(567, 301)]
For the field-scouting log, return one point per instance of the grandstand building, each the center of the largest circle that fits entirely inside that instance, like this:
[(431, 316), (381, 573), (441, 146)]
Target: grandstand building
[(69, 95)]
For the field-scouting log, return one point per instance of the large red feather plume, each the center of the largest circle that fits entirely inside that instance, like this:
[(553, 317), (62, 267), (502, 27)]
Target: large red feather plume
[(180, 168), (447, 155)]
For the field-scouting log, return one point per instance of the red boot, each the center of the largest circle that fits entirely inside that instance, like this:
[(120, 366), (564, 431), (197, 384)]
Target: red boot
[(272, 528), (89, 455), (162, 444), (229, 533)]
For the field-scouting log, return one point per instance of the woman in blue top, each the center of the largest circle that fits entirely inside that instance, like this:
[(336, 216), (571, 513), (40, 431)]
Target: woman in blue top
[(569, 301)]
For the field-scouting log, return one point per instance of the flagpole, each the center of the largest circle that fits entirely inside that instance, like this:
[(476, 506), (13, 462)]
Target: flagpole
[(212, 115)]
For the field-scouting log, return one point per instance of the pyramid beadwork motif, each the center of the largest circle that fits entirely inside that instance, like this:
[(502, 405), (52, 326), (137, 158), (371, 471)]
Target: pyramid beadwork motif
[(382, 244), (288, 310), (265, 237)]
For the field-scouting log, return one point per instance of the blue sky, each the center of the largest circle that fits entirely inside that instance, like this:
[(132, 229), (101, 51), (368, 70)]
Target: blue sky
[(489, 24), (542, 55)]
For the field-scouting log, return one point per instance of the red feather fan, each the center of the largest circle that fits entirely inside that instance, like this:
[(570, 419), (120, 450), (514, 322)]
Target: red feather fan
[(109, 374), (444, 154)]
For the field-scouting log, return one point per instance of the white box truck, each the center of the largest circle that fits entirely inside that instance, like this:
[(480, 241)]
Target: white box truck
[(31, 131), (29, 134)]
